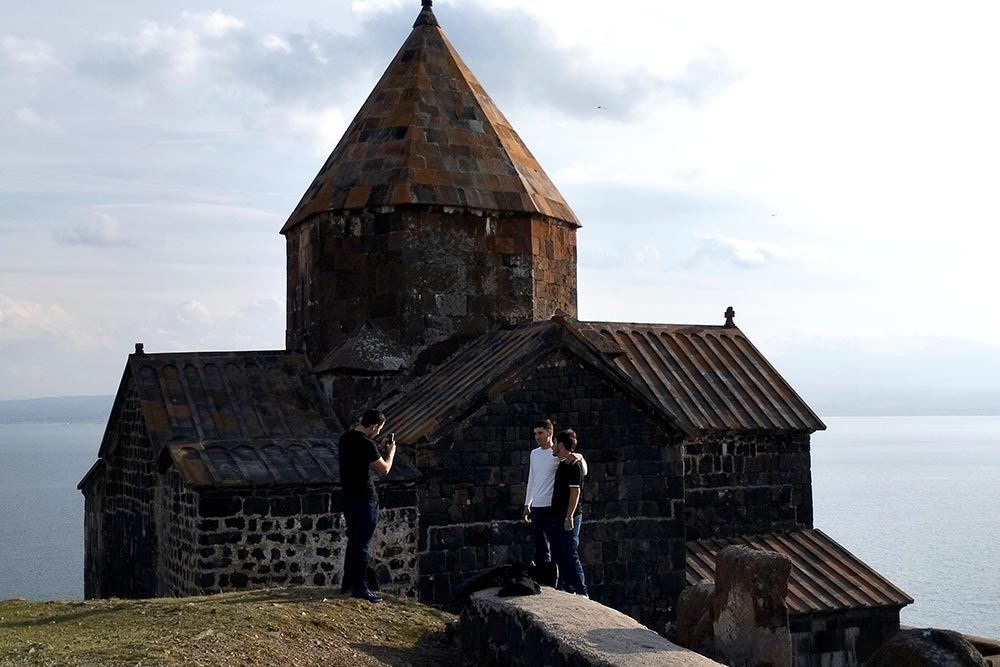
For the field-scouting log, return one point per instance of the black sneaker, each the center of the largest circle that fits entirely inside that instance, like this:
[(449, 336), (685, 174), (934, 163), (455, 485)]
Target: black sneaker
[(367, 595)]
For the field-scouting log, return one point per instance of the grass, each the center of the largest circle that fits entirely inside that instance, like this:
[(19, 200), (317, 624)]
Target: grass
[(298, 627)]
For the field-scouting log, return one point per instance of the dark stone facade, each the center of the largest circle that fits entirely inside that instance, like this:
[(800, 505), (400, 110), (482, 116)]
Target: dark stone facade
[(421, 275), (472, 493), (746, 483), (844, 639), (284, 537), (119, 528), (148, 534)]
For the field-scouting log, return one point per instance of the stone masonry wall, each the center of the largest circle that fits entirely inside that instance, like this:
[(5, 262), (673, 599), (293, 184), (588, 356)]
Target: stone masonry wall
[(844, 639), (290, 537), (119, 523), (177, 530), (472, 494), (745, 484), (422, 276)]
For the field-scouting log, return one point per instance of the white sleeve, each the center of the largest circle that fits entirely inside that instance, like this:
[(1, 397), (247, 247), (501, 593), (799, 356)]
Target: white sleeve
[(583, 464), (529, 491)]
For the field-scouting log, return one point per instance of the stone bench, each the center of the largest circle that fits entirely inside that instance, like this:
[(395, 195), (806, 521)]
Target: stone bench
[(555, 629)]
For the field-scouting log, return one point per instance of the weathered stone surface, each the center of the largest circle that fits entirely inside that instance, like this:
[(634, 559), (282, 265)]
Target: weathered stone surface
[(746, 484), (419, 275), (119, 529), (694, 618), (927, 648), (472, 493), (749, 617), (841, 638), (559, 629), (272, 547)]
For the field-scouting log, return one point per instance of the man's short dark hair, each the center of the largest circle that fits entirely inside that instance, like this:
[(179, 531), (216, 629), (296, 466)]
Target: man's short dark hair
[(544, 423), (372, 417), (567, 439)]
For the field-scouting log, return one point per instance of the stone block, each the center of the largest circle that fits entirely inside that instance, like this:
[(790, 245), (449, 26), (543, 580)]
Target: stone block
[(286, 506), (927, 647), (256, 506), (749, 617), (219, 506)]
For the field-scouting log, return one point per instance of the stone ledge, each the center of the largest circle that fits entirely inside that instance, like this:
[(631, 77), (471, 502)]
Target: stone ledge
[(555, 629)]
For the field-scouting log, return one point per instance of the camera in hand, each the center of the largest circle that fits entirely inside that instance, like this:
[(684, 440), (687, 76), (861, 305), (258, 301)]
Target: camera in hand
[(391, 438)]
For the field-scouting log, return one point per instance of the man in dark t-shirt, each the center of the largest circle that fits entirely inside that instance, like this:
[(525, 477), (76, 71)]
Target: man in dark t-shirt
[(358, 454), (567, 515)]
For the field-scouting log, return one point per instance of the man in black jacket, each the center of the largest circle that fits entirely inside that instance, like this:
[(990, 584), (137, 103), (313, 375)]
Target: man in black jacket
[(567, 514), (358, 454)]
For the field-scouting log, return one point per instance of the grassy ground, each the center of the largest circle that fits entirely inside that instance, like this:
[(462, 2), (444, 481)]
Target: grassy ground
[(298, 627)]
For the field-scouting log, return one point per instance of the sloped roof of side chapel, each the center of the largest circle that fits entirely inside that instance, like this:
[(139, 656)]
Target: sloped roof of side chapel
[(430, 135)]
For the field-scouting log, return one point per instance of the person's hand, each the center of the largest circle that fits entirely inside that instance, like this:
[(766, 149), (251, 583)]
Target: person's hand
[(568, 524), (574, 457), (526, 517)]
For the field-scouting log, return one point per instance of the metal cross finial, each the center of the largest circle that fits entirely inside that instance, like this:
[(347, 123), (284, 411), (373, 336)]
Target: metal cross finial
[(730, 314)]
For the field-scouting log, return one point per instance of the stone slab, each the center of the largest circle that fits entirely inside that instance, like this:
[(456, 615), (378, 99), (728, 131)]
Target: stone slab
[(572, 630)]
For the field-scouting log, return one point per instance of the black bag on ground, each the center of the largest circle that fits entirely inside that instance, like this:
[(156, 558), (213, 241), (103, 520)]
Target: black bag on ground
[(512, 580)]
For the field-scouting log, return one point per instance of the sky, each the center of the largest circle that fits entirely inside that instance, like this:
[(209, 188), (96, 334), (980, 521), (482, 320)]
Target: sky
[(827, 170)]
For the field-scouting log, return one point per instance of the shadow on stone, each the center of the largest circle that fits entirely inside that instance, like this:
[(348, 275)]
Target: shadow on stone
[(630, 641)]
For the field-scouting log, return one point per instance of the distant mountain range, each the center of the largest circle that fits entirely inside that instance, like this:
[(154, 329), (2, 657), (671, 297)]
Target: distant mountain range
[(826, 401), (57, 409)]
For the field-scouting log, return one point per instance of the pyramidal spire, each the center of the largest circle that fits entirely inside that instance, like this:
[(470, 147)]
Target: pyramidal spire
[(426, 16), (430, 136)]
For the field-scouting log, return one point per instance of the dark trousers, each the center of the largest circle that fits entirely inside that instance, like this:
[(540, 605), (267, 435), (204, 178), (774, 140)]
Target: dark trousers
[(540, 517), (565, 548), (361, 517), (545, 568)]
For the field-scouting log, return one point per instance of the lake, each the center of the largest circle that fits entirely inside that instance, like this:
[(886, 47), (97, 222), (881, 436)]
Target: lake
[(914, 497)]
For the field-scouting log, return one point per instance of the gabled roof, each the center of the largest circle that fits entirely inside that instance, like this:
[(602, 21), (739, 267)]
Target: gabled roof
[(274, 463), (708, 377), (367, 350), (825, 576), (487, 366), (229, 396), (234, 419), (430, 135)]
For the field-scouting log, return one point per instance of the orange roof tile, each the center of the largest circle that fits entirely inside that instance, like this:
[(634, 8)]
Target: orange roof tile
[(430, 135)]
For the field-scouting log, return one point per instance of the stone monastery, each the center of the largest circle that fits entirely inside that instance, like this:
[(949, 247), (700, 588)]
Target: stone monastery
[(432, 273)]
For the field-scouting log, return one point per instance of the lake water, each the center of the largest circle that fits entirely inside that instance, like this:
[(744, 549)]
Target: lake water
[(914, 497), (917, 499)]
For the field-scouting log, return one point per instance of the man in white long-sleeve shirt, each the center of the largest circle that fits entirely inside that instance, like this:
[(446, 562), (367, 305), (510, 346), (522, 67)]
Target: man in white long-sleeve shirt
[(538, 497)]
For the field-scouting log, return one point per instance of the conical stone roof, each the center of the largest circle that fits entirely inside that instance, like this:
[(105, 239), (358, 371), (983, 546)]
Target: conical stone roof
[(430, 135)]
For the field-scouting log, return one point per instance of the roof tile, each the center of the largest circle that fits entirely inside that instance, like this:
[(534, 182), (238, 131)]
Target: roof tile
[(428, 107)]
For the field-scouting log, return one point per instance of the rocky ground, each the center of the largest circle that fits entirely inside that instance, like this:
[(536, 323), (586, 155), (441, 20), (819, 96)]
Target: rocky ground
[(297, 627)]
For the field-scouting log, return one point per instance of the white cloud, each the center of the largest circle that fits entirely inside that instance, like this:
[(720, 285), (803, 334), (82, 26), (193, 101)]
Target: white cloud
[(707, 75), (275, 43), (716, 249), (33, 54), (106, 231), (326, 126), (28, 117), (193, 325), (628, 257), (214, 24), (21, 320)]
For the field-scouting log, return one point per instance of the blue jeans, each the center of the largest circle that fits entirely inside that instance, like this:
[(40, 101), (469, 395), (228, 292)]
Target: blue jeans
[(565, 545), (361, 517)]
